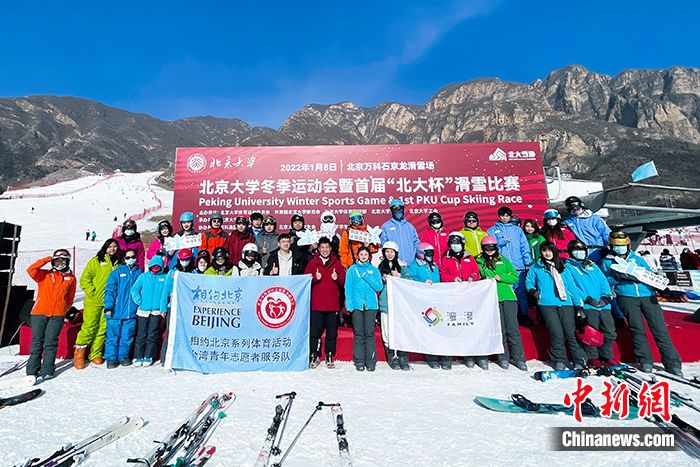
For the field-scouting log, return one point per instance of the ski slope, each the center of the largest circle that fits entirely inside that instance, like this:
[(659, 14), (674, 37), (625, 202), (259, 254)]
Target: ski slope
[(423, 417)]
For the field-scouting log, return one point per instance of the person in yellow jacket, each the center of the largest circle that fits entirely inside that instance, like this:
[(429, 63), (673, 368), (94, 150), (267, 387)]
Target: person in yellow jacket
[(92, 281), (473, 235)]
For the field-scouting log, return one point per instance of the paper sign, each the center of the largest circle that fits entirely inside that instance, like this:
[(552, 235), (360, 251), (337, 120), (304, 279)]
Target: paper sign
[(179, 242), (646, 277), (371, 236), (307, 237)]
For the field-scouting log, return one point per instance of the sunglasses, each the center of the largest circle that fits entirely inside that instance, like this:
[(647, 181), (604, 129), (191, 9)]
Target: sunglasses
[(129, 257), (216, 220)]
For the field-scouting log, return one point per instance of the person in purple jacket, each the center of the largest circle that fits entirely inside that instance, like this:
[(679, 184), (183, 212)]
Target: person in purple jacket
[(130, 238)]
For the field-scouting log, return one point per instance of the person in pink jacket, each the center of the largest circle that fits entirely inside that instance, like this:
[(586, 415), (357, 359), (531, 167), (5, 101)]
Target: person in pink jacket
[(157, 247), (436, 235), (130, 238), (457, 264), (556, 232)]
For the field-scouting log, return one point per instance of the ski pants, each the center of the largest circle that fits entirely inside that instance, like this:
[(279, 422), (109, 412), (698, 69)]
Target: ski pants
[(521, 293), (364, 347), (321, 320), (636, 310), (45, 332), (561, 324), (93, 331), (510, 333), (601, 320), (147, 336), (164, 345), (391, 354), (119, 336)]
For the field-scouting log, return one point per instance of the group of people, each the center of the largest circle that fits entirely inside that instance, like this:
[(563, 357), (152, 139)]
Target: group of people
[(562, 269)]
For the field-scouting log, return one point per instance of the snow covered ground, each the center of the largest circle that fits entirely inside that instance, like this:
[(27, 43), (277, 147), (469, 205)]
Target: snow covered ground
[(419, 418)]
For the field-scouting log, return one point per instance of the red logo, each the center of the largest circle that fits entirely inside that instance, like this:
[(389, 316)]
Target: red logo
[(275, 307)]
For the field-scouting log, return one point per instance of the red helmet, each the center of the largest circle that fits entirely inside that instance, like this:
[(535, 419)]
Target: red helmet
[(590, 336), (185, 253), (489, 240)]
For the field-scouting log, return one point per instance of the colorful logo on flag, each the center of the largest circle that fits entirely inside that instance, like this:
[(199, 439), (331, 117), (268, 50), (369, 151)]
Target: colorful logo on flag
[(275, 307), (432, 316)]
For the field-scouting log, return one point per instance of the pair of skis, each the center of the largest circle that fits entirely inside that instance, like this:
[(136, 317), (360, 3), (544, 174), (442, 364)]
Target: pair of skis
[(14, 384), (191, 436), (75, 453), (273, 439)]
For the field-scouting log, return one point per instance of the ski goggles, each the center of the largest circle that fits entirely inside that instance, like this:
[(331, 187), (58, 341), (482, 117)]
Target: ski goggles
[(242, 220), (269, 221), (356, 219), (328, 219), (489, 247), (575, 205)]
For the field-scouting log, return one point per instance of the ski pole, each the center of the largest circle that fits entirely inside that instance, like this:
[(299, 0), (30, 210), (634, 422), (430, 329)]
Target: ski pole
[(318, 408), (275, 449)]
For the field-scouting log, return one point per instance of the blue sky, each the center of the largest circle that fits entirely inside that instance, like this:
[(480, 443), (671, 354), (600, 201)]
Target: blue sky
[(261, 61)]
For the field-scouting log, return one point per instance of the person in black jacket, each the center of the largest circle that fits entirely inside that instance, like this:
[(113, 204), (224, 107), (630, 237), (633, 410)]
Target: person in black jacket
[(284, 261)]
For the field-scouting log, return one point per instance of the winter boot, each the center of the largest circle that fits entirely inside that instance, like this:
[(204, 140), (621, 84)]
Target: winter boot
[(125, 361), (434, 365), (482, 363), (314, 361), (329, 360), (647, 367), (469, 362), (504, 364), (403, 363), (520, 365), (676, 370), (79, 357), (360, 367), (98, 361), (559, 366), (446, 364), (112, 364), (612, 362)]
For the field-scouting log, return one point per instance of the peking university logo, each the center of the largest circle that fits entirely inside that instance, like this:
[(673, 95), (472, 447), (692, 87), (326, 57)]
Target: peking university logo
[(275, 307), (196, 163)]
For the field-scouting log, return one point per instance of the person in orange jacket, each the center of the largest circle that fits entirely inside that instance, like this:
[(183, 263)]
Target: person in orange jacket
[(54, 298), (215, 235), (347, 250)]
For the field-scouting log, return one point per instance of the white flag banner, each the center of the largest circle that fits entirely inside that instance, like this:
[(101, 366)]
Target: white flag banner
[(448, 318)]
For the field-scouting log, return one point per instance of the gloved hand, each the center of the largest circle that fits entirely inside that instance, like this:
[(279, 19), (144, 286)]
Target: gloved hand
[(580, 318), (607, 300), (626, 277), (598, 303), (533, 297)]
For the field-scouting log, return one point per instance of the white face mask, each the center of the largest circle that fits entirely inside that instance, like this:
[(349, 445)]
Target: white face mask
[(552, 222), (579, 254), (620, 249), (456, 247), (185, 263), (130, 261), (129, 232)]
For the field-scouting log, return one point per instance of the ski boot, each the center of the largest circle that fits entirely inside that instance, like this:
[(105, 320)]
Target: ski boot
[(434, 365), (647, 367), (595, 363), (446, 365), (559, 366), (676, 371)]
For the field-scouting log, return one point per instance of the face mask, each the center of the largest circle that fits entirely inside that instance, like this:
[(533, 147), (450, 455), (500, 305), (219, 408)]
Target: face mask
[(129, 232), (185, 263), (456, 247), (620, 249), (130, 261), (155, 269), (552, 222), (436, 225), (63, 269), (398, 215), (579, 254), (429, 255)]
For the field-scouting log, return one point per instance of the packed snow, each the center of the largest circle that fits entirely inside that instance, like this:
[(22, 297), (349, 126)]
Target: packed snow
[(421, 417)]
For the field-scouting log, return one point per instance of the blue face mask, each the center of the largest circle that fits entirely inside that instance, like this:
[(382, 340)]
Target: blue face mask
[(579, 254), (620, 249), (398, 215), (456, 247), (129, 232), (130, 261)]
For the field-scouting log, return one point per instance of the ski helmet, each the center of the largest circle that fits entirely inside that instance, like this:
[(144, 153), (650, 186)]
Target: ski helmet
[(129, 224), (489, 240), (356, 217), (165, 224), (249, 247), (215, 216), (551, 214), (60, 254), (422, 248), (575, 245), (573, 202), (396, 202), (515, 220), (391, 246), (434, 218), (218, 253), (590, 336), (619, 238), (204, 254), (455, 237), (470, 215), (297, 217), (242, 219), (186, 217), (327, 217), (184, 254)]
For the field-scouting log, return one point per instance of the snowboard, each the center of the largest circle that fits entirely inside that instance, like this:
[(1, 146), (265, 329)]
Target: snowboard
[(582, 373), (20, 398), (587, 410)]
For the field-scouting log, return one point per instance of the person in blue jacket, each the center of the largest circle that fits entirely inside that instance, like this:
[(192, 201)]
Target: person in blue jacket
[(146, 293), (120, 311), (597, 296), (424, 269), (638, 302), (400, 231), (513, 245), (362, 283), (588, 227), (550, 283)]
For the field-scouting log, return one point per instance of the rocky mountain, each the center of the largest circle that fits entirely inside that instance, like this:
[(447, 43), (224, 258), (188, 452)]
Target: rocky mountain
[(591, 125)]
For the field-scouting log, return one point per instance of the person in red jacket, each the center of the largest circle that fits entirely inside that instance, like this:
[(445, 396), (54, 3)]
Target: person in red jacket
[(238, 238), (457, 264), (215, 235), (327, 280), (436, 235), (54, 298), (556, 232)]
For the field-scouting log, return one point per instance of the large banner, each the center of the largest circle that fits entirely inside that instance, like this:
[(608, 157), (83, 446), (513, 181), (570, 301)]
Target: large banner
[(223, 324), (448, 318), (450, 178)]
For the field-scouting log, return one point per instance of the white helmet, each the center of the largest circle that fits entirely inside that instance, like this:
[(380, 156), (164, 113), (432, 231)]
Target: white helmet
[(391, 246), (249, 247)]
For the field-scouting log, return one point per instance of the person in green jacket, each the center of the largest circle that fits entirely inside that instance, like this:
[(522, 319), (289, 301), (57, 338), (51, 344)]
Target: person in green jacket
[(493, 265), (534, 238), (93, 280), (472, 234), (220, 265), (391, 265)]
